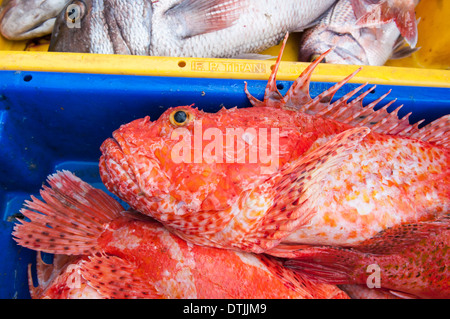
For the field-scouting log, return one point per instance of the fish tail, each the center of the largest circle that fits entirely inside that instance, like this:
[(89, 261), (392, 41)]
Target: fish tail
[(68, 220)]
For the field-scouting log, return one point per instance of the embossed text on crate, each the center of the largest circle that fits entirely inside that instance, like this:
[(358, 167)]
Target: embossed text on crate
[(232, 67)]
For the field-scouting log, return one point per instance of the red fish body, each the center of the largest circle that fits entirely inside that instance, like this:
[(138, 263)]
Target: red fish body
[(103, 252), (341, 175)]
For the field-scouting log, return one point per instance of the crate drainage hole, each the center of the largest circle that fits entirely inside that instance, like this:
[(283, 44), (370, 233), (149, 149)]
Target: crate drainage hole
[(27, 78), (181, 64)]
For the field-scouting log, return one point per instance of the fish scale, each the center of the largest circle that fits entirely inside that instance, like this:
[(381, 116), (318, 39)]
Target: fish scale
[(194, 28), (348, 183), (133, 256)]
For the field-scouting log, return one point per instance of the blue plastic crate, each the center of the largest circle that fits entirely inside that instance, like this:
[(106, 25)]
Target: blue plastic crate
[(51, 121)]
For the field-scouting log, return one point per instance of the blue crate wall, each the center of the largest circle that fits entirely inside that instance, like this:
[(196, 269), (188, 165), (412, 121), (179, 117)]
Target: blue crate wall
[(51, 121)]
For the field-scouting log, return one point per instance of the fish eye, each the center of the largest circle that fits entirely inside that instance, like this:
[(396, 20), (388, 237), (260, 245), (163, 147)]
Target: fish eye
[(75, 11), (314, 57), (180, 117)]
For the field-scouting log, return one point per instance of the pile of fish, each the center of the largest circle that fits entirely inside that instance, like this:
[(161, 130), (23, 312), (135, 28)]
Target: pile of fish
[(361, 31), (307, 199)]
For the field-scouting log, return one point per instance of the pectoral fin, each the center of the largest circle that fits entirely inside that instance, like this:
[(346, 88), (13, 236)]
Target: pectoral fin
[(293, 190), (195, 17), (70, 218), (117, 278)]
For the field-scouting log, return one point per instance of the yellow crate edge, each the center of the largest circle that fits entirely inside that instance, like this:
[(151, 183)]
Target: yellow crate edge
[(214, 68)]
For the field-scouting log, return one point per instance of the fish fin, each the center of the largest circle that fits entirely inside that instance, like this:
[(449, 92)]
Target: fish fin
[(361, 291), (401, 49), (297, 185), (402, 295), (69, 219), (396, 239), (326, 264), (437, 132), (47, 273), (203, 16), (117, 278), (402, 14), (356, 114), (336, 265), (272, 97), (302, 284)]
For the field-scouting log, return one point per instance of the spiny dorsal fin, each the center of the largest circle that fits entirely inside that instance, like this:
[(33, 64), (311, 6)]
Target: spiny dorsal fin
[(272, 96), (354, 112)]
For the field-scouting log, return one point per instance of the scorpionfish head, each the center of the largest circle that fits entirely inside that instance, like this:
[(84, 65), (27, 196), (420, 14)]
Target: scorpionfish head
[(189, 160)]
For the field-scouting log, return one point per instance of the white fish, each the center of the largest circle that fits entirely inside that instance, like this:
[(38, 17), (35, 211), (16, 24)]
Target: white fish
[(27, 19), (352, 43), (198, 28)]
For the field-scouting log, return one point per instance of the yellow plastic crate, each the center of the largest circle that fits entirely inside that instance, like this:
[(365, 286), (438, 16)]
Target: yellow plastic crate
[(429, 66)]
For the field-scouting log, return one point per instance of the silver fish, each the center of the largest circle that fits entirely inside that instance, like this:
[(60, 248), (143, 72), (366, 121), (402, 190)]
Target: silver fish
[(352, 43), (27, 19), (197, 28)]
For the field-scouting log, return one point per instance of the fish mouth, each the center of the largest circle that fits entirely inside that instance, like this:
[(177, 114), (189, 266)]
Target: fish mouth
[(29, 19), (115, 171), (129, 174)]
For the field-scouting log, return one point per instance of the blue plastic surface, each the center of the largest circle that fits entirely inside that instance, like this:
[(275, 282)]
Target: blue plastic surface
[(51, 121)]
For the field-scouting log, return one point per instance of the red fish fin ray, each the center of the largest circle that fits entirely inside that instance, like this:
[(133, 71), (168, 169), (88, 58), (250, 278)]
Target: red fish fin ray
[(116, 278), (298, 94), (253, 101), (296, 187), (297, 282), (337, 265), (326, 264), (395, 239), (322, 101), (272, 97), (350, 112), (382, 121), (68, 220), (300, 283), (203, 16), (437, 132), (46, 273), (335, 110)]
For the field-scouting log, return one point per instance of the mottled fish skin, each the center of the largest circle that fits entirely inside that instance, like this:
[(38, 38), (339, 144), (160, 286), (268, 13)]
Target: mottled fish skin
[(197, 28), (345, 172), (113, 254), (27, 19), (351, 43)]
